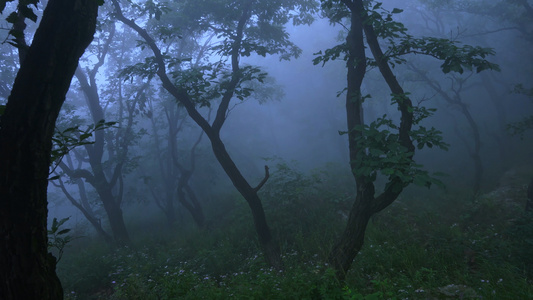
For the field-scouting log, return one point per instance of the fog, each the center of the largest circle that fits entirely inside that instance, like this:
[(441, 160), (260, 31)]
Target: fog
[(295, 119)]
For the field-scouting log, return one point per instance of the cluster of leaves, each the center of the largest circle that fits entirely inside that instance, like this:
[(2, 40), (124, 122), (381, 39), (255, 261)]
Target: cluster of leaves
[(24, 11), (383, 22), (147, 69), (72, 137), (382, 152), (454, 57), (58, 238), (150, 8)]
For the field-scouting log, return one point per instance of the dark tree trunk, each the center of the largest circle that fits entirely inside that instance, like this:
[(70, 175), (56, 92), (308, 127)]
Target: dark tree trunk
[(266, 240), (352, 239), (193, 205), (27, 270), (85, 208), (114, 214), (366, 203), (104, 187), (269, 245)]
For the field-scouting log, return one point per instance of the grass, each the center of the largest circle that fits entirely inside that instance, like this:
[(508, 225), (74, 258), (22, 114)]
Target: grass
[(427, 245)]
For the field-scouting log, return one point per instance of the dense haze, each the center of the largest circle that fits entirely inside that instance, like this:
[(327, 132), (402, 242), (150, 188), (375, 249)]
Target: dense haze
[(295, 118), (301, 121)]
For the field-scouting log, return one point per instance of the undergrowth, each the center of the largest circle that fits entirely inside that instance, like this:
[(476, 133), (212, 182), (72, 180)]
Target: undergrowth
[(426, 245)]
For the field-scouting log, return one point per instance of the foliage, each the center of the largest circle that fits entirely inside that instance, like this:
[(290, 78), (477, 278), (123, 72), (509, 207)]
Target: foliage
[(454, 58), (424, 246), (58, 238), (72, 137), (381, 151), (379, 147)]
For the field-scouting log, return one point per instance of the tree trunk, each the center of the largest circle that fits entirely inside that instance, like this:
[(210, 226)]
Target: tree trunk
[(352, 239), (27, 269), (366, 203), (115, 217), (270, 247), (193, 206), (85, 208)]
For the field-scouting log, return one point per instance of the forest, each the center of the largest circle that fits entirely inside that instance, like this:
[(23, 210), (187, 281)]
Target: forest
[(266, 149)]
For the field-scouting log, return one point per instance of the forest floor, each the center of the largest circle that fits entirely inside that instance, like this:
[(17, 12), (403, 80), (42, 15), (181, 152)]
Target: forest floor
[(427, 245)]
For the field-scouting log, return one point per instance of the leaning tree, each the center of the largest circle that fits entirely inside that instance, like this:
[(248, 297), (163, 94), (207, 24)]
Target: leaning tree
[(243, 28)]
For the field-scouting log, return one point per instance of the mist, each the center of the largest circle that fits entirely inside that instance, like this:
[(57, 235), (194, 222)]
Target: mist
[(205, 144)]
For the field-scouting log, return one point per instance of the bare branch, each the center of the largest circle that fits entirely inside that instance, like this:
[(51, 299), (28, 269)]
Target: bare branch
[(260, 185)]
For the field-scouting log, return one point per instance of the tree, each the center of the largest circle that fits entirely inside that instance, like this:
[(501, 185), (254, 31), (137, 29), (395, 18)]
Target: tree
[(453, 96), (174, 177), (103, 163), (26, 129), (383, 147), (244, 27), (467, 21)]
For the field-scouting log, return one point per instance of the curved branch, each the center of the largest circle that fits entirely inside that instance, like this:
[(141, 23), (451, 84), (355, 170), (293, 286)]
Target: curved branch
[(235, 74), (180, 94), (260, 185), (78, 173)]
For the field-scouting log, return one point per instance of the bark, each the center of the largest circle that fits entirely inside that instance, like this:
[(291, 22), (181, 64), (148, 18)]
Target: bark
[(366, 204), (351, 241), (27, 270)]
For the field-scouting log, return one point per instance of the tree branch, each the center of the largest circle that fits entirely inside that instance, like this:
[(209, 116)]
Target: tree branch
[(260, 185)]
